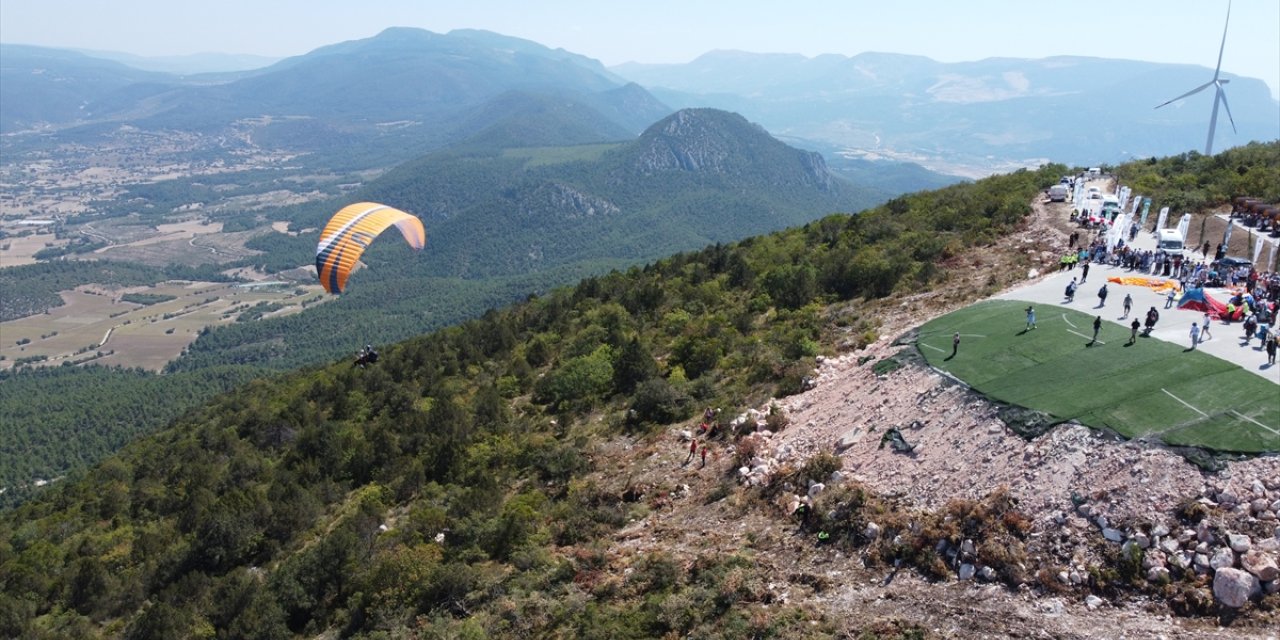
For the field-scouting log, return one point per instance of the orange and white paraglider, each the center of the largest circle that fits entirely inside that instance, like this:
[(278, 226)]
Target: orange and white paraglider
[(351, 230)]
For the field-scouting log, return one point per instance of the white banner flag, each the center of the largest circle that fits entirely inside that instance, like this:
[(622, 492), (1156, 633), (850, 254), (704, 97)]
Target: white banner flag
[(1271, 262), (1164, 216), (1226, 236), (1116, 231), (1137, 202), (1184, 225), (1257, 249)]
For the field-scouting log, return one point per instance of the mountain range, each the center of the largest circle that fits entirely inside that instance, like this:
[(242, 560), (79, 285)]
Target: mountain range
[(980, 116), (388, 98), (408, 91)]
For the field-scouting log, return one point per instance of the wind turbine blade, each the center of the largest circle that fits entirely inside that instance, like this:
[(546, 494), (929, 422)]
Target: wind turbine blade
[(1222, 95), (1223, 47), (1193, 91)]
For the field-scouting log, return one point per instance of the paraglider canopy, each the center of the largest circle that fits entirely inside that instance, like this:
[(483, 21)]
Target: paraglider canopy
[(351, 230)]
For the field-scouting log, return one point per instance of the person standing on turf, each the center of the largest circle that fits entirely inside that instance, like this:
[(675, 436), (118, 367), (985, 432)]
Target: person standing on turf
[(1097, 326), (1133, 331), (1128, 304), (1195, 334), (1153, 316), (1031, 317), (955, 344)]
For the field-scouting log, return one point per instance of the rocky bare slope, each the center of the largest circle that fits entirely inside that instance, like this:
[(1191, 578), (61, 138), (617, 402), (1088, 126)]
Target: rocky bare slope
[(1121, 539)]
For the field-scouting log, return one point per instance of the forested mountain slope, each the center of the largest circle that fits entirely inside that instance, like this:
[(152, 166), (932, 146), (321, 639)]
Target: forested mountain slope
[(498, 217), (259, 514), (456, 488)]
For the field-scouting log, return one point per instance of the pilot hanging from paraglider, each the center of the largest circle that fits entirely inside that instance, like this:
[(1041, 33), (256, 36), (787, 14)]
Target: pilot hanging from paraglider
[(345, 238)]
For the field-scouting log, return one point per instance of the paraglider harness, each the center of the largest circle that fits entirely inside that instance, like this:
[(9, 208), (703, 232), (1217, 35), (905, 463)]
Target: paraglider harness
[(366, 356), (1153, 317)]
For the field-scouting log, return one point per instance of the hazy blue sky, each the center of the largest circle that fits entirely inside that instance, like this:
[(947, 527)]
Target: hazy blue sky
[(1179, 31)]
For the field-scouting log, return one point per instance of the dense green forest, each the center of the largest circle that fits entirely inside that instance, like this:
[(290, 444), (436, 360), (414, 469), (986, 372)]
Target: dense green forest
[(259, 514), (380, 310), (343, 327), (61, 420), (1192, 181)]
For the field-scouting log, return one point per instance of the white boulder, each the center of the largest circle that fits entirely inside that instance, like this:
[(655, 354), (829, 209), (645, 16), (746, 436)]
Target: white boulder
[(1260, 564), (1222, 558), (1239, 542), (1234, 587)]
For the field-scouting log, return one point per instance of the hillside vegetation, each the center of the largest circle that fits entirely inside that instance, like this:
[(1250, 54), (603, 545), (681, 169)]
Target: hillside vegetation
[(1192, 181), (259, 515), (504, 222), (262, 514)]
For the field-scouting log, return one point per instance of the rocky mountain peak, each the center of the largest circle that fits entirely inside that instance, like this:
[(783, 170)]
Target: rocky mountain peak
[(719, 142)]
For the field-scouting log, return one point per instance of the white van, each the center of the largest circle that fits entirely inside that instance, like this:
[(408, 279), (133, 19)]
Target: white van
[(1110, 206), (1170, 242)]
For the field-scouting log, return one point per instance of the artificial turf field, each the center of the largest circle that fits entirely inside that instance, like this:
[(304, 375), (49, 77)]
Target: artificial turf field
[(1152, 389)]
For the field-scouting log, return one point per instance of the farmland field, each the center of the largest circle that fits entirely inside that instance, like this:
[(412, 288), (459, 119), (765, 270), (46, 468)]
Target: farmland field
[(96, 325), (1151, 389), (19, 250)]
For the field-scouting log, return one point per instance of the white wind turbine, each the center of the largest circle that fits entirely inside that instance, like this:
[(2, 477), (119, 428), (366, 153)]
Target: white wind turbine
[(1220, 97)]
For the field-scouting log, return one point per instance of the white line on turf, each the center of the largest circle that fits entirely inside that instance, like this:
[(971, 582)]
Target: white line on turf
[(933, 347), (1166, 392), (1064, 317), (971, 335), (1084, 336), (1244, 417)]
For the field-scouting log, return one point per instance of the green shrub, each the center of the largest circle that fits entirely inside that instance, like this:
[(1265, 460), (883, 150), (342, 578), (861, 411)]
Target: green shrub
[(656, 401), (819, 468), (581, 378), (886, 366)]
